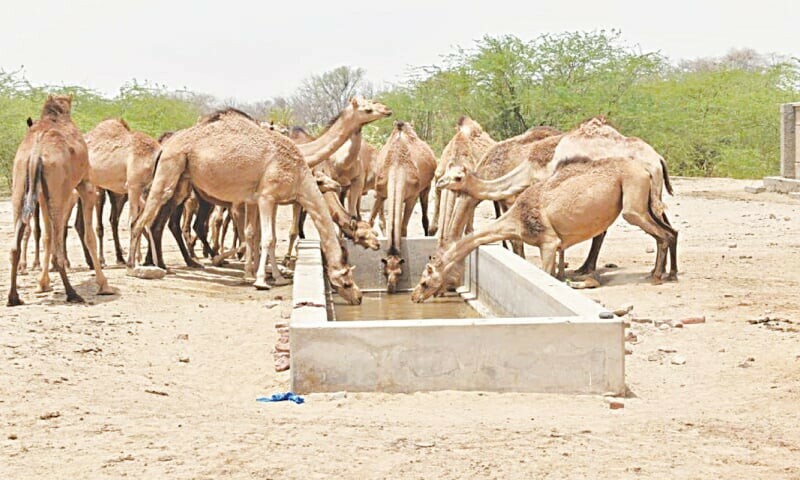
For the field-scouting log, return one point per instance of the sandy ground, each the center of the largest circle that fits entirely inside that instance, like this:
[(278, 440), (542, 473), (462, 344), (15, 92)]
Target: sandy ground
[(77, 382)]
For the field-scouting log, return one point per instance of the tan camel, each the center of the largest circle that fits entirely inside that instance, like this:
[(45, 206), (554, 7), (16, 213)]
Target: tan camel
[(120, 161), (51, 162), (594, 138), (406, 168), (581, 200), (466, 148), (270, 171)]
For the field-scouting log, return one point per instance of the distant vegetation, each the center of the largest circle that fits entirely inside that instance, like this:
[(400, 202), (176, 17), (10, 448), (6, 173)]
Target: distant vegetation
[(716, 116)]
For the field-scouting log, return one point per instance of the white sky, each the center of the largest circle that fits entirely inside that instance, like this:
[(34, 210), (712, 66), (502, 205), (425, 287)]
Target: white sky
[(253, 50)]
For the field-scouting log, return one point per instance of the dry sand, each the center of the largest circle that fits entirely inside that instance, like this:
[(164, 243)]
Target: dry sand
[(100, 391)]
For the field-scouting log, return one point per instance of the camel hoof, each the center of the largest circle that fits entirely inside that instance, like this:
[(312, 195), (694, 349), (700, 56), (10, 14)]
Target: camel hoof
[(589, 282), (106, 290), (656, 281), (75, 298), (218, 261), (121, 261), (261, 285), (22, 271), (14, 301), (672, 277), (44, 289), (194, 264)]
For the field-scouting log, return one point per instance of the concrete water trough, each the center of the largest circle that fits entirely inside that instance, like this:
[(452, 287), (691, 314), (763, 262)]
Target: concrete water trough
[(531, 333)]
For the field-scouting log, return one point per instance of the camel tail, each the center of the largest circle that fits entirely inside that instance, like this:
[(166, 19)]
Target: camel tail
[(667, 183), (655, 203), (33, 181)]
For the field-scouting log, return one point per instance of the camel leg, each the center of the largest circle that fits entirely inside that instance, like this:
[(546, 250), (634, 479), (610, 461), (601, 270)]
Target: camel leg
[(277, 277), (251, 223), (673, 251), (296, 212), (57, 219), (377, 209), (549, 250), (423, 203), (23, 250), (98, 210), (200, 226), (47, 250), (88, 196), (636, 212), (117, 204), (562, 265), (353, 197), (437, 199), (590, 265), (37, 237), (408, 209), (497, 213), (19, 230), (226, 223), (80, 229), (167, 177), (215, 227)]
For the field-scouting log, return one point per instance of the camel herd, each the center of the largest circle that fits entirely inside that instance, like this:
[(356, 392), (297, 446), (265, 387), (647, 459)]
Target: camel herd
[(550, 189)]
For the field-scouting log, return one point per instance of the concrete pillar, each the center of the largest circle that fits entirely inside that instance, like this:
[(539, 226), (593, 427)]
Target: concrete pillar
[(789, 139)]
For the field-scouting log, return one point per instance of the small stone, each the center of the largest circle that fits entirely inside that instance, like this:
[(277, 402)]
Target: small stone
[(183, 336), (678, 360), (628, 351), (655, 357), (623, 309), (12, 436), (424, 444), (677, 324), (631, 337), (281, 325), (337, 396), (772, 216), (667, 349), (755, 189), (49, 415), (664, 326), (611, 265), (731, 245), (616, 405), (281, 364), (649, 250), (148, 273), (184, 359), (271, 304), (694, 320), (786, 219)]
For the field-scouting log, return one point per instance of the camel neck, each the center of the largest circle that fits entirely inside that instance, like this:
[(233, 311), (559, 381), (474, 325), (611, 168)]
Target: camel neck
[(317, 151), (494, 232), (340, 215), (311, 199), (503, 187)]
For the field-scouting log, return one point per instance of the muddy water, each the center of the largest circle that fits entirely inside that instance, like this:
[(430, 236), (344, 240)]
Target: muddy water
[(383, 306)]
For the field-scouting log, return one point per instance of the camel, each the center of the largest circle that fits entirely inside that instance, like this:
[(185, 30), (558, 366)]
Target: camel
[(406, 168), (120, 162), (270, 170), (578, 202), (466, 148), (51, 162), (594, 138)]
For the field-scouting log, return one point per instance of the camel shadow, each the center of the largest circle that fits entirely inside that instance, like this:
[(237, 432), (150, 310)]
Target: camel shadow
[(617, 276)]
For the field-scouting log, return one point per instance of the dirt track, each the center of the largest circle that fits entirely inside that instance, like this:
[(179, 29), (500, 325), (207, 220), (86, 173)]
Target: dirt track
[(76, 381)]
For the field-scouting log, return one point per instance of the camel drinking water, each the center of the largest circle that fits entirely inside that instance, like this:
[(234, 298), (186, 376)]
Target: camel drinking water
[(581, 200)]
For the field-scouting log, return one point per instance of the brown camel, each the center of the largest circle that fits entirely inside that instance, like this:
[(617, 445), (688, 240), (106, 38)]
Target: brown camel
[(466, 148), (270, 171), (594, 138), (406, 168), (51, 162), (121, 162), (580, 201)]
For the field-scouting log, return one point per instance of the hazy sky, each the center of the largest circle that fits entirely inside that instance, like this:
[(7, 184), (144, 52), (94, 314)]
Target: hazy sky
[(252, 50)]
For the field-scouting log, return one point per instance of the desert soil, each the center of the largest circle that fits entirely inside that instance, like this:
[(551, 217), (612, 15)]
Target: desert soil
[(160, 380)]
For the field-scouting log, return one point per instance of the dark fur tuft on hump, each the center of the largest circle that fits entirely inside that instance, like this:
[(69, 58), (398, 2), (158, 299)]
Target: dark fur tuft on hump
[(124, 124), (165, 136), (461, 120), (573, 161), (230, 110)]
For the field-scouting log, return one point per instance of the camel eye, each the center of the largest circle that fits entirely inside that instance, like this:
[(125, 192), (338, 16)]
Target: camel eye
[(423, 284), (369, 110), (347, 284)]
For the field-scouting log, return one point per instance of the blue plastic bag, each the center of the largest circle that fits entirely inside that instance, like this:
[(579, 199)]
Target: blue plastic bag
[(280, 397)]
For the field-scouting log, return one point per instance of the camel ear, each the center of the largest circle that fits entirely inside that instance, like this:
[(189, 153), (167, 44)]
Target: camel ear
[(29, 121), (272, 122), (384, 261), (402, 261), (354, 102)]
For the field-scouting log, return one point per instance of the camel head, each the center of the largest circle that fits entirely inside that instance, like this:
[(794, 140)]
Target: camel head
[(392, 269), (429, 284), (342, 282), (326, 183), (57, 105), (365, 236), (453, 179), (364, 111), (469, 127)]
